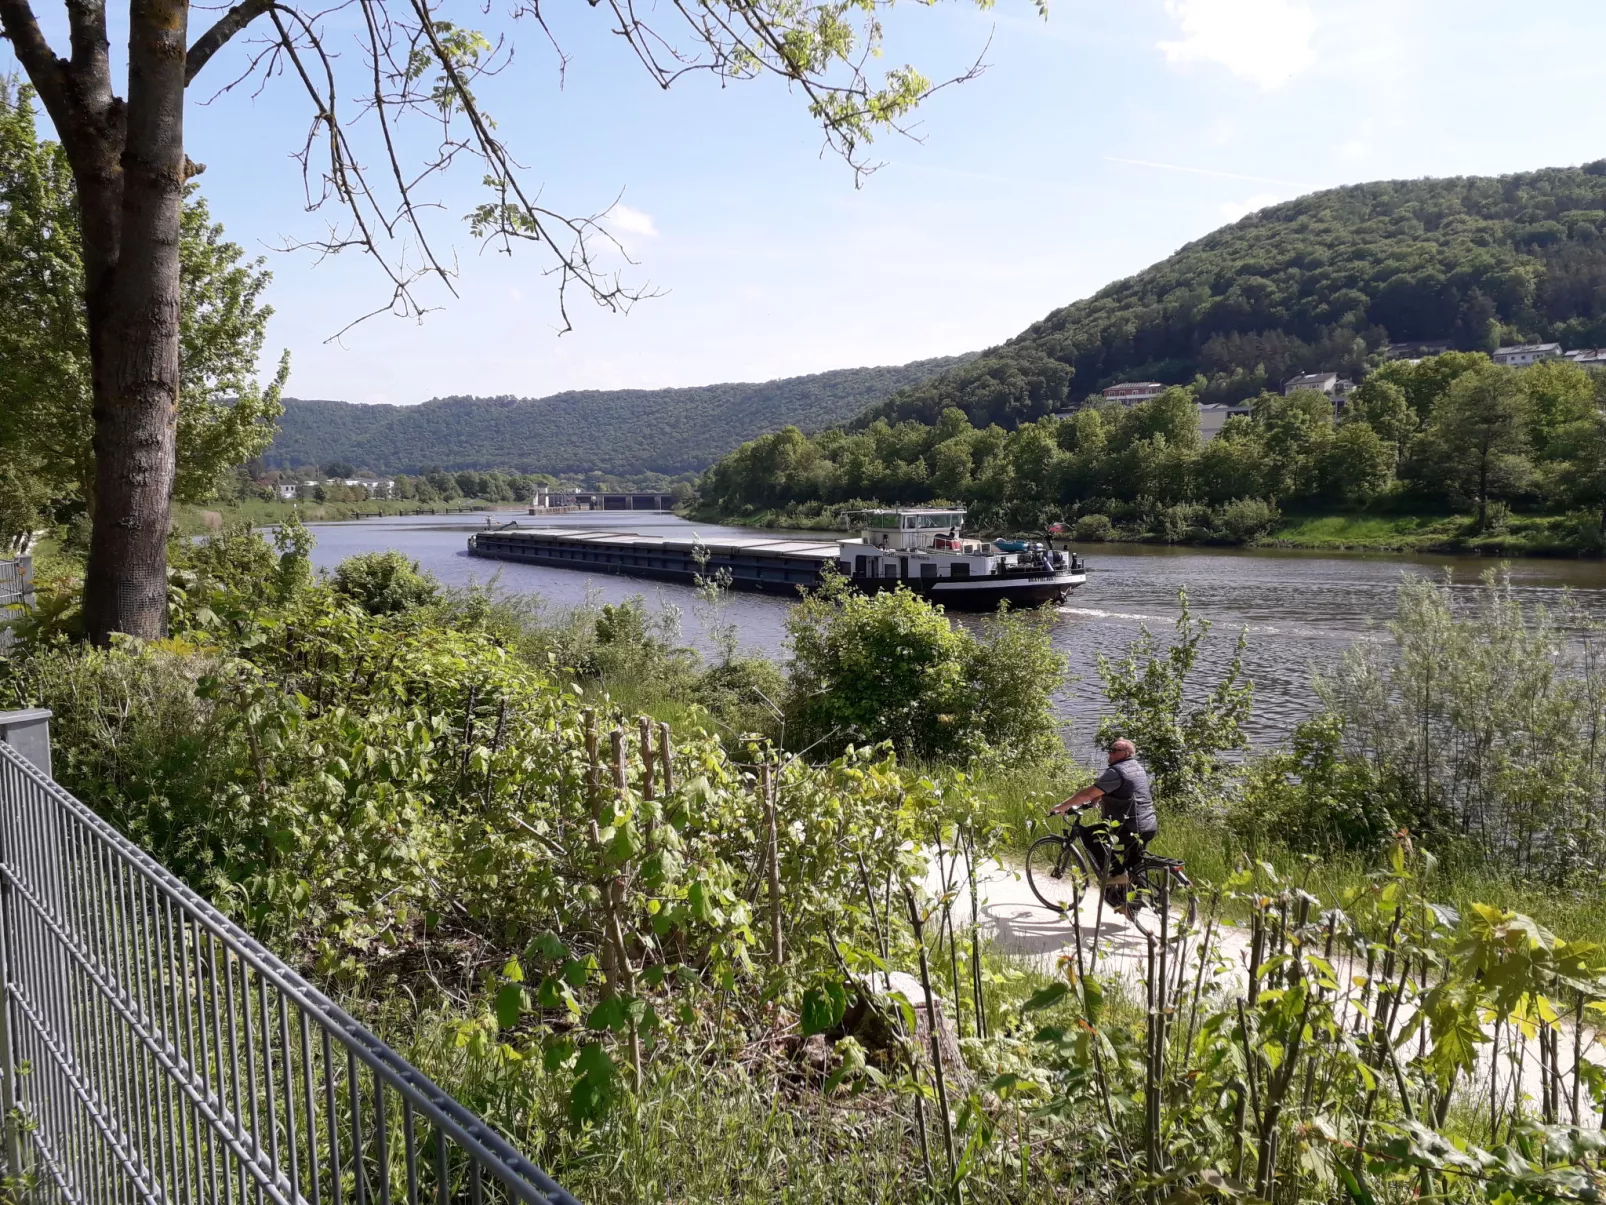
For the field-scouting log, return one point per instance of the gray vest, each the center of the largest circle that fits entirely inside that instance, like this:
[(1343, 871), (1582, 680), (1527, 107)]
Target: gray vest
[(1126, 795)]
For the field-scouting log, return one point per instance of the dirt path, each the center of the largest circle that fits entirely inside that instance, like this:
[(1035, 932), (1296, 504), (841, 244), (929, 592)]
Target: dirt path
[(1018, 924)]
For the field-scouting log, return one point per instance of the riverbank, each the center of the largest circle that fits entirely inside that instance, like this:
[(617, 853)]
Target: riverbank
[(190, 519), (1570, 535)]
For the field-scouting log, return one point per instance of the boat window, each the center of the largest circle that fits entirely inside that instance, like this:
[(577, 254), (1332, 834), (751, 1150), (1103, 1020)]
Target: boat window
[(890, 569), (859, 566), (927, 569), (961, 569)]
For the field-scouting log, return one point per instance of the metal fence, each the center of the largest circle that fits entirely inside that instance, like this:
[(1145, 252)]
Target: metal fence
[(153, 1052), (16, 593)]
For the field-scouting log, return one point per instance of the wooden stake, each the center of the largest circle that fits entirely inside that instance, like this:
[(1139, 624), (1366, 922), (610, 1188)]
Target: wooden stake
[(766, 778), (666, 761)]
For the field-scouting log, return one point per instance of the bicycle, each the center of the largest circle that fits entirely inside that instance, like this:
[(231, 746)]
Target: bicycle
[(1059, 872)]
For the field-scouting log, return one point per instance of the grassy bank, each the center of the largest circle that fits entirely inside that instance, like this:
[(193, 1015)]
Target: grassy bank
[(1520, 535), (1575, 534), (196, 520)]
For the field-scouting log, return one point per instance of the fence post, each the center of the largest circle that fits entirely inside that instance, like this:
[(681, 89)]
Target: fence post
[(28, 732)]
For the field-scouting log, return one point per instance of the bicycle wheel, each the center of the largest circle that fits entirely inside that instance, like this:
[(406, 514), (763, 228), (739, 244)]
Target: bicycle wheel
[(1057, 872)]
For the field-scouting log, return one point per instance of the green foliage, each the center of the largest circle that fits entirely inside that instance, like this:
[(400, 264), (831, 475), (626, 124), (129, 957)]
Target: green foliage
[(45, 424), (627, 432), (384, 583), (1450, 431), (892, 667), (1314, 284), (1481, 728), (1181, 736)]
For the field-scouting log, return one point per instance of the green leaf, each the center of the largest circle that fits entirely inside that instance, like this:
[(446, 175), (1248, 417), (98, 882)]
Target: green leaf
[(596, 1089), (612, 1013), (1047, 997), (823, 1008), (1358, 1192), (547, 946), (509, 1004)]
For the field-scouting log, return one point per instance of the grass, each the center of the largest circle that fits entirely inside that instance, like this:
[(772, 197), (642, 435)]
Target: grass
[(196, 520), (1517, 535)]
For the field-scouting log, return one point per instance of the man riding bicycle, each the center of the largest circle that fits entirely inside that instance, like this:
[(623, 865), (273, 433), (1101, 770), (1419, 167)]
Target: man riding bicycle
[(1122, 792)]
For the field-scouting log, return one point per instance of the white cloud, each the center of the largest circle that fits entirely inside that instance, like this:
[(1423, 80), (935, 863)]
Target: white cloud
[(1231, 211), (1266, 41), (626, 220)]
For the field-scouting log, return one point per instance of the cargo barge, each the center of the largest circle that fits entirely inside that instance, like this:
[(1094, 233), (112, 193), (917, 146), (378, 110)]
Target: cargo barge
[(921, 548)]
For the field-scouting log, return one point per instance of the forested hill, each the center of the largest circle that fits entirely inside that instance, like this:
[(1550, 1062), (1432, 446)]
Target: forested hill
[(1313, 284), (624, 432)]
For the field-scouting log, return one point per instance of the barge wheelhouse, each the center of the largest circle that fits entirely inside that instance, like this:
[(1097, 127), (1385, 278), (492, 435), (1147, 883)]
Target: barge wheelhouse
[(921, 548)]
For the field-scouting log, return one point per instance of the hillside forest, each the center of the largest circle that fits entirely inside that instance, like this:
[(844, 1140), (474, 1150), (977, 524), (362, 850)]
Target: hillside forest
[(1448, 433), (1321, 283), (637, 434)]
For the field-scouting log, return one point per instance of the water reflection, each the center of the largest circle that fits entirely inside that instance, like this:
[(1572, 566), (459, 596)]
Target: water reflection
[(1301, 609)]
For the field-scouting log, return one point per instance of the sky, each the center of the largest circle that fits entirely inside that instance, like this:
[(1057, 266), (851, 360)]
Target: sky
[(1096, 141)]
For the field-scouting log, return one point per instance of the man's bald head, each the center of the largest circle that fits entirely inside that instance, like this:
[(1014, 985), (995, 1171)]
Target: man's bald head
[(1122, 749)]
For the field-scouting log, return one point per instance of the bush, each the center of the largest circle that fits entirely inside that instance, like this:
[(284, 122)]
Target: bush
[(384, 583), (1094, 529), (891, 667), (1313, 797), (1244, 519)]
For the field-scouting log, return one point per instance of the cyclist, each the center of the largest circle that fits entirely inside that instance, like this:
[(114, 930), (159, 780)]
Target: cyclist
[(1122, 793)]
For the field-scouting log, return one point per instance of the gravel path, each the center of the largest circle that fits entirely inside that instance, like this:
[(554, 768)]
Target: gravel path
[(1019, 924)]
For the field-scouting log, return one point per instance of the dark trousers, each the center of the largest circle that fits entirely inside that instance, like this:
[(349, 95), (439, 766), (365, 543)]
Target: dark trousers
[(1119, 846)]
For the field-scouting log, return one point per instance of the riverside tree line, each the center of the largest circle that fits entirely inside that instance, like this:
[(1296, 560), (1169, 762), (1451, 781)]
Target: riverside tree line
[(1450, 433)]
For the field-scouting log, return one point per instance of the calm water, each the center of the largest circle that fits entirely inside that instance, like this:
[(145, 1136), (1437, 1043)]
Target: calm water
[(1301, 609)]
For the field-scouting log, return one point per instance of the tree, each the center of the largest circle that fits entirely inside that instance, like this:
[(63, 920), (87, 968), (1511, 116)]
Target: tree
[(1480, 432), (127, 159), (1383, 406), (46, 393)]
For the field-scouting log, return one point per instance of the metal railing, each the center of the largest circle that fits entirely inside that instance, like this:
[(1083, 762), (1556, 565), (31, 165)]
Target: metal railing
[(151, 1051), (16, 593)]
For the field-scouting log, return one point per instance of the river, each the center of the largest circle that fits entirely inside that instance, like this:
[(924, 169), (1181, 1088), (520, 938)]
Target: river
[(1301, 609)]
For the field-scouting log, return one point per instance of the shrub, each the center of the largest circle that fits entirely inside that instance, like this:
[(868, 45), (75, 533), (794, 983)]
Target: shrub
[(1244, 519), (1313, 796), (1094, 529), (384, 583), (891, 667)]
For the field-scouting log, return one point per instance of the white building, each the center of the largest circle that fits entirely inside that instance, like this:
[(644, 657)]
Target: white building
[(1588, 355), (289, 490), (377, 487), (1130, 393), (1519, 355), (1321, 382), (1213, 416)]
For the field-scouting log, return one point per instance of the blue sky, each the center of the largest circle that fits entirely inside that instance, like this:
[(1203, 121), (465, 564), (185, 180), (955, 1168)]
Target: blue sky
[(1096, 142)]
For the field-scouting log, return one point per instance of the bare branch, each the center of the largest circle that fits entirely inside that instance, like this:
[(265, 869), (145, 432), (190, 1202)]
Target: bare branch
[(224, 28), (46, 72)]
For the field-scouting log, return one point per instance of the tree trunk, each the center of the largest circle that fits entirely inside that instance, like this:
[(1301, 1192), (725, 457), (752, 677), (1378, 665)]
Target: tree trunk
[(131, 236), (1483, 492)]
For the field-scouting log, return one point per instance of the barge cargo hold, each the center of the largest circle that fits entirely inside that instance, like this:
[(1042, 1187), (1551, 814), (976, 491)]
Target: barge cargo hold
[(920, 549)]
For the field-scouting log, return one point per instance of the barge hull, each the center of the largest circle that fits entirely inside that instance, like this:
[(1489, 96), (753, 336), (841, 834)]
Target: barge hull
[(785, 567)]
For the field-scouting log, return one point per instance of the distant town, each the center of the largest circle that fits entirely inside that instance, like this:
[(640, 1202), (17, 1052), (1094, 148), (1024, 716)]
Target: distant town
[(1213, 416)]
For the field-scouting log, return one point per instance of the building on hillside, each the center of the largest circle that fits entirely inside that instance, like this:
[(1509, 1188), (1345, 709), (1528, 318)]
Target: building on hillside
[(288, 490), (1519, 355), (1213, 416), (1588, 355), (1334, 386), (1420, 349), (1130, 393)]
